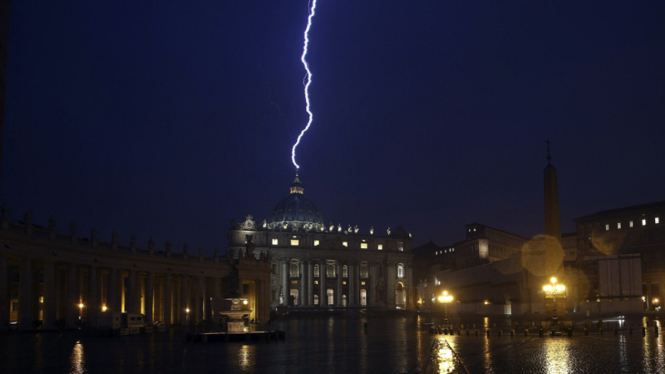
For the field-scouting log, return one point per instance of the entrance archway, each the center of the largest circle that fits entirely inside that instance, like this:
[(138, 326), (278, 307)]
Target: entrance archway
[(400, 296), (331, 297), (293, 297)]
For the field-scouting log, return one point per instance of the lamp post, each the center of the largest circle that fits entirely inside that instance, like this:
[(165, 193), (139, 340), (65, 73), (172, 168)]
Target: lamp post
[(445, 299), (555, 289)]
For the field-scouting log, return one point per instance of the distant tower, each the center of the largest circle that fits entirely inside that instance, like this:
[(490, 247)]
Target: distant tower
[(552, 219)]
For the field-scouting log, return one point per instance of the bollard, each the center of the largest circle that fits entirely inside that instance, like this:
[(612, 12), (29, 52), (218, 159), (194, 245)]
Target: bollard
[(644, 330), (512, 333), (526, 332), (586, 331), (540, 333)]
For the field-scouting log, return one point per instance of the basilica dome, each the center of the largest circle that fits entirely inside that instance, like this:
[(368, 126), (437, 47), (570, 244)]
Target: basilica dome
[(295, 211)]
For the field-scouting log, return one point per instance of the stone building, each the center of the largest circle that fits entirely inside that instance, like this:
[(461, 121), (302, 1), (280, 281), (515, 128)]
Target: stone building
[(620, 232), (51, 279), (315, 265), (495, 272)]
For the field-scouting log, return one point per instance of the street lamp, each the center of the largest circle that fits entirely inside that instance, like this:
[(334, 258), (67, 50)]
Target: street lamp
[(555, 289), (445, 299)]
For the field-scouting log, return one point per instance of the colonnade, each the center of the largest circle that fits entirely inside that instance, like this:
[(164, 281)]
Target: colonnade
[(376, 285), (48, 293)]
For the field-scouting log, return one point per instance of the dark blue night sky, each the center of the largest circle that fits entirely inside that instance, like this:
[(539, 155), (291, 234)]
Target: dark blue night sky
[(170, 118)]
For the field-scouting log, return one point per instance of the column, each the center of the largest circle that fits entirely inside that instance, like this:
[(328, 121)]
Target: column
[(167, 300), (310, 283), (285, 282), (112, 296), (131, 292), (93, 307), (200, 295), (338, 293), (184, 300), (149, 295), (25, 296), (323, 300), (4, 297), (72, 302), (373, 274), (391, 273), (302, 294), (352, 284)]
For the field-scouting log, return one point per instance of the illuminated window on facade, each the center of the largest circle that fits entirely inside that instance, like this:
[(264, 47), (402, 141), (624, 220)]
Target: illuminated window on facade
[(316, 299), (316, 242), (316, 282), (344, 283), (630, 224), (644, 222), (295, 270), (379, 247), (656, 220), (345, 271), (400, 246), (400, 271), (275, 241), (619, 225), (362, 283), (316, 270), (363, 245), (363, 271), (607, 227), (330, 270), (295, 242), (346, 244)]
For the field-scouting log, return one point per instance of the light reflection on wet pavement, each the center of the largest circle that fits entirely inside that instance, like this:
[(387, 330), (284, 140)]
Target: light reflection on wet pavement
[(337, 345), (390, 345)]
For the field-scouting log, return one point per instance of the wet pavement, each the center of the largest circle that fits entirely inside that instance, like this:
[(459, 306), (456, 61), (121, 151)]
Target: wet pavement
[(342, 345), (323, 345)]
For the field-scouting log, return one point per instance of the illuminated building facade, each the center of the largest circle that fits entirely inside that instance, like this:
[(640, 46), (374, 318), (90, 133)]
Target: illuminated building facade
[(49, 279), (315, 265)]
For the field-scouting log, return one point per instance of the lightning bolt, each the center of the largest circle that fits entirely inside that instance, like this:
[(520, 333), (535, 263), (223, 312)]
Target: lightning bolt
[(307, 80)]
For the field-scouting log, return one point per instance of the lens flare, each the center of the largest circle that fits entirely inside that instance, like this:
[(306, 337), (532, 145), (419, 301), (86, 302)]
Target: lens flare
[(307, 81)]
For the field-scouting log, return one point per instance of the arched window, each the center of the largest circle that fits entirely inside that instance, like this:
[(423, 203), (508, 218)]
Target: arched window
[(330, 270), (345, 271), (316, 270), (363, 271), (400, 271), (295, 270)]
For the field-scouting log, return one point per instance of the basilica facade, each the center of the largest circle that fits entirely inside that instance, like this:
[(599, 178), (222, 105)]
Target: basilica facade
[(318, 265)]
